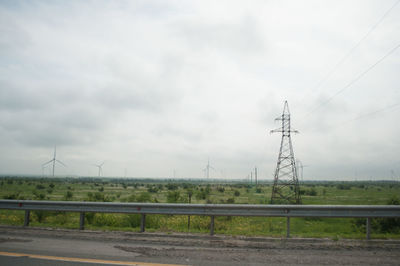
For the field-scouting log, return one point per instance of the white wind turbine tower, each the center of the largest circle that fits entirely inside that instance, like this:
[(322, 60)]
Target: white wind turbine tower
[(54, 160), (300, 165), (207, 169), (100, 166)]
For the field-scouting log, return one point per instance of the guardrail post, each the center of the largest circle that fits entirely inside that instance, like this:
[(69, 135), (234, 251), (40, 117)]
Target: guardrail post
[(82, 221), (143, 223), (27, 216), (212, 225), (288, 227), (368, 228)]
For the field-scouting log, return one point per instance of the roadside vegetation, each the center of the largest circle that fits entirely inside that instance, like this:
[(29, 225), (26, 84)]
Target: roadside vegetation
[(189, 191)]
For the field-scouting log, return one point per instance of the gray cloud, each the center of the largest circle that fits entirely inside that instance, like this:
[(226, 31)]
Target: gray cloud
[(170, 84)]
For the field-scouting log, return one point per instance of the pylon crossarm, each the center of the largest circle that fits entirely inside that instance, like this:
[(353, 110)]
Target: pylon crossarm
[(275, 130)]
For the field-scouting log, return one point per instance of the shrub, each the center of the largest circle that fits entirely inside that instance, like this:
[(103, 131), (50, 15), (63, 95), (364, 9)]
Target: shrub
[(131, 198), (173, 196), (97, 196), (11, 196), (68, 195), (89, 216), (41, 215), (230, 200), (134, 220), (152, 189), (343, 187), (38, 195), (201, 195), (40, 186), (101, 219), (208, 189), (171, 186), (236, 193), (144, 197), (381, 225), (189, 194)]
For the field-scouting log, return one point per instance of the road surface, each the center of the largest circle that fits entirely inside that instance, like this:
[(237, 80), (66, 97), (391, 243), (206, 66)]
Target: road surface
[(40, 246)]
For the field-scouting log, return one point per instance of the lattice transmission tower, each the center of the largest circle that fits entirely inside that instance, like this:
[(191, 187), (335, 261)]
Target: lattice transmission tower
[(286, 188)]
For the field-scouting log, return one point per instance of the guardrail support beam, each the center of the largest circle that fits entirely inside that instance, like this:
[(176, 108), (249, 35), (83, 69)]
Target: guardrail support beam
[(368, 228), (212, 225), (27, 216), (143, 223), (287, 227), (82, 221)]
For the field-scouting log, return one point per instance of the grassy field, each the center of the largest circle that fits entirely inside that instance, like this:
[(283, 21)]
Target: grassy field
[(123, 190)]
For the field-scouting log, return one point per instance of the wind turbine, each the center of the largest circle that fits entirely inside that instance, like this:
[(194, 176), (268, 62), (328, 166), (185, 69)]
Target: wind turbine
[(100, 167), (300, 164), (207, 169), (54, 160)]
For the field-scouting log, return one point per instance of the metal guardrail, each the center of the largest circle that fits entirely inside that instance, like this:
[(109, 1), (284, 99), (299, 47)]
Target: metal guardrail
[(212, 210)]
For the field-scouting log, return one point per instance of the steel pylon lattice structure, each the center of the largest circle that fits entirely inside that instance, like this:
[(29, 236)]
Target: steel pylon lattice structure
[(286, 188)]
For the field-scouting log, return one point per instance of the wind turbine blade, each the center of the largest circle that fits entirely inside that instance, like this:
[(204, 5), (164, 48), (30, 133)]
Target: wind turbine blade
[(48, 162), (61, 163), (102, 164)]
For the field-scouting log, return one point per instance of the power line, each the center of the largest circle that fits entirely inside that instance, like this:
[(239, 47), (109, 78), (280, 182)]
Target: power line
[(347, 55), (369, 114), (362, 74), (392, 106)]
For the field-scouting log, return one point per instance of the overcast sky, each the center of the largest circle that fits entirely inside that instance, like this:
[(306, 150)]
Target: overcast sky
[(153, 86)]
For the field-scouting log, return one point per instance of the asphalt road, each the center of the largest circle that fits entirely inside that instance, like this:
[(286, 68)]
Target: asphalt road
[(34, 246), (22, 261)]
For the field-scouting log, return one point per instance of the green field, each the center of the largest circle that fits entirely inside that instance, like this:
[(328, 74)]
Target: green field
[(163, 191)]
